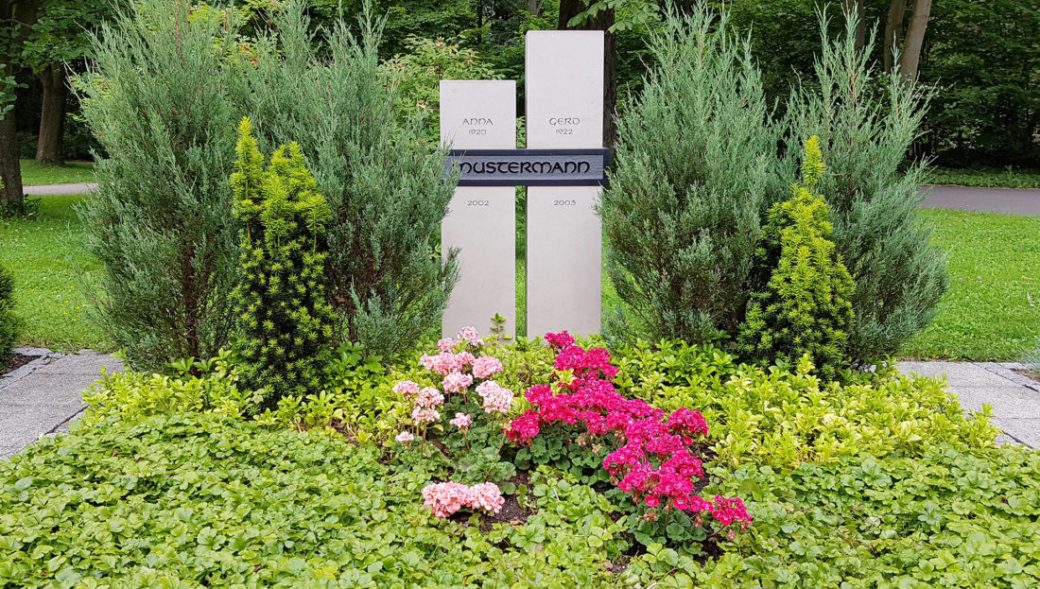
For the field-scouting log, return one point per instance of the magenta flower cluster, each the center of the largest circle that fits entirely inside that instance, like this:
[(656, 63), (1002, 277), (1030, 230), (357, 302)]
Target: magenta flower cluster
[(655, 462), (444, 499)]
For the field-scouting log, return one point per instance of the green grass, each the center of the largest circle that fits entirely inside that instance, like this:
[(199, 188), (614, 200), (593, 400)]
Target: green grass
[(992, 310), (51, 267), (34, 173), (987, 177)]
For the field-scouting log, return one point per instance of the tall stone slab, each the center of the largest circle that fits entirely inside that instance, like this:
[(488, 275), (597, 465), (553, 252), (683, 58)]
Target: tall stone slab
[(564, 236), (481, 221)]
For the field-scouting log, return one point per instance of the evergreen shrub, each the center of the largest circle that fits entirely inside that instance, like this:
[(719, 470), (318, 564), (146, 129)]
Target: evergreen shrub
[(9, 324), (158, 99), (285, 322), (696, 159), (867, 122), (382, 180), (804, 308)]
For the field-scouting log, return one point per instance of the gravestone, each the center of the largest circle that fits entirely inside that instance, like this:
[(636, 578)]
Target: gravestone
[(564, 237), (481, 221), (563, 167)]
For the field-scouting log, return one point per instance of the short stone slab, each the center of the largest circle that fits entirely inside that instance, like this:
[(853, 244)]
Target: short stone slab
[(1014, 398), (45, 395)]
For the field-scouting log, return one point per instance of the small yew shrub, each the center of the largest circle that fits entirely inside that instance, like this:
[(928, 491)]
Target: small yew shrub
[(805, 307), (8, 322), (285, 320)]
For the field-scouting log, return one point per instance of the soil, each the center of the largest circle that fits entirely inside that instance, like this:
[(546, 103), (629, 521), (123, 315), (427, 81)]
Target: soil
[(14, 362), (512, 512)]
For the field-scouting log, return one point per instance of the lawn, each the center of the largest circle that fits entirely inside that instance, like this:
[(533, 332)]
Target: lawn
[(34, 173), (992, 310), (987, 177), (51, 267)]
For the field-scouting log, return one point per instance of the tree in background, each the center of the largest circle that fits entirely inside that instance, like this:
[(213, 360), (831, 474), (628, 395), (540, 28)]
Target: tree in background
[(867, 122), (984, 59), (159, 100), (696, 169), (58, 39), (418, 73), (382, 181), (15, 20)]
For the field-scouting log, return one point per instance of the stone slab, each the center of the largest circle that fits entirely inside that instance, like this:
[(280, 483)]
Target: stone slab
[(481, 221), (564, 235), (1025, 431)]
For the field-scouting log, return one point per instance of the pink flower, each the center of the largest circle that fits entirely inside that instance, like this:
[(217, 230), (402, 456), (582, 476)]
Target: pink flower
[(404, 437), (471, 336), (446, 344), (486, 367), (486, 497), (455, 382), (655, 461), (462, 421), (444, 499), (423, 415), (429, 398), (559, 341), (406, 388), (443, 363), (496, 399)]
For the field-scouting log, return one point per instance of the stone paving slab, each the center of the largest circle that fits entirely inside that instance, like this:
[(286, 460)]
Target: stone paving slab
[(44, 396), (1015, 399)]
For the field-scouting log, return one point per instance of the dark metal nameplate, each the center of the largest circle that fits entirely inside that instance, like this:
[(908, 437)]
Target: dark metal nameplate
[(529, 167)]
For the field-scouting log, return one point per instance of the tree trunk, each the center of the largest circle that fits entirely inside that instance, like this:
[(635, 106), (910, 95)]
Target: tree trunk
[(911, 55), (893, 32), (603, 21), (535, 7), (10, 167), (52, 119)]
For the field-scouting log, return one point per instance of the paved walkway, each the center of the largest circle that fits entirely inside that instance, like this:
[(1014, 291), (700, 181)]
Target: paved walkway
[(43, 397), (996, 200), (51, 189), (1014, 398)]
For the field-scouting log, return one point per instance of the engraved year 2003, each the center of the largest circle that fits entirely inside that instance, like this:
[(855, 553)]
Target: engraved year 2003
[(566, 202)]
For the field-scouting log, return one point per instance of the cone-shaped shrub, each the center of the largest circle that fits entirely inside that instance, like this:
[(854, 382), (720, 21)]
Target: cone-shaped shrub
[(285, 321), (158, 99), (696, 157), (867, 121), (805, 307), (383, 183), (9, 324)]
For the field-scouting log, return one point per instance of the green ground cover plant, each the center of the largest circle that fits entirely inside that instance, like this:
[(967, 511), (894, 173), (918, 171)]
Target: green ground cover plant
[(46, 256), (992, 311), (880, 482), (35, 173)]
